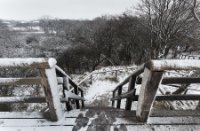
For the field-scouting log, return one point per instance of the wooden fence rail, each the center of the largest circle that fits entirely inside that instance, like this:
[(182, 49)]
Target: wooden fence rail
[(48, 79), (151, 79)]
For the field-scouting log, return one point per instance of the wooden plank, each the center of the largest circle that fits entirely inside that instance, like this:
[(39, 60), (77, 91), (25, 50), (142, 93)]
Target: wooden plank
[(119, 93), (147, 94), (135, 73), (99, 121), (40, 128), (21, 115), (26, 99), (109, 113), (174, 113), (20, 81), (162, 65), (130, 87), (66, 122), (110, 127), (177, 97), (159, 97), (26, 62), (50, 85), (175, 80)]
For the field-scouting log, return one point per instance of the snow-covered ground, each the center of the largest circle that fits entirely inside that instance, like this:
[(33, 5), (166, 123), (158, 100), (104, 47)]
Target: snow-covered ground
[(99, 91)]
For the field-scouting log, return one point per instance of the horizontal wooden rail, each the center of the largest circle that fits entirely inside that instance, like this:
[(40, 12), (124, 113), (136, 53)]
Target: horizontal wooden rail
[(20, 81), (135, 73), (160, 97), (174, 80), (27, 62), (177, 97), (162, 65), (125, 95), (27, 99), (73, 98)]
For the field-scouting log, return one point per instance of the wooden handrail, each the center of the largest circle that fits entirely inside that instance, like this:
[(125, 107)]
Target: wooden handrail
[(27, 62), (175, 80), (152, 78), (162, 65), (65, 75), (75, 95), (137, 72)]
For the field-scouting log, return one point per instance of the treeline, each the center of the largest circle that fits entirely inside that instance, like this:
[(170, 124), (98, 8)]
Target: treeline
[(157, 30)]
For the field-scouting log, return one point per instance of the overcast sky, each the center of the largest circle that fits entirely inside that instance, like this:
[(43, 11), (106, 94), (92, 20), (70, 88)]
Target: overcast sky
[(71, 9)]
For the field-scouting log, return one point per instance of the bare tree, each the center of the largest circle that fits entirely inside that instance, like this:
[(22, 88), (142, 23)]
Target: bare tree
[(195, 7), (169, 23)]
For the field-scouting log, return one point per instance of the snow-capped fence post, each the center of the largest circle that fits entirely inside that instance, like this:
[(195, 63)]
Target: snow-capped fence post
[(150, 84), (50, 84)]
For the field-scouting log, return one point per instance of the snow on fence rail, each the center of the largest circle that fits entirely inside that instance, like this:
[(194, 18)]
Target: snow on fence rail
[(187, 56), (49, 81), (152, 78)]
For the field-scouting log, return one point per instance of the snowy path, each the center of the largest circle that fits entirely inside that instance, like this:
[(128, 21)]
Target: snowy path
[(99, 92)]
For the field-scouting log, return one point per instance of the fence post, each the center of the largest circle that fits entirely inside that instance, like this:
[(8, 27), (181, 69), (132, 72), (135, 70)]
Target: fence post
[(66, 87), (113, 102), (77, 101), (50, 84), (131, 86), (119, 93), (150, 84), (82, 102)]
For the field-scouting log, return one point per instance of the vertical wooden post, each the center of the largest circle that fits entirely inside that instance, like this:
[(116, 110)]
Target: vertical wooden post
[(119, 93), (66, 83), (77, 101), (131, 86), (66, 87), (150, 84), (113, 102), (91, 78), (50, 85), (116, 74), (82, 101)]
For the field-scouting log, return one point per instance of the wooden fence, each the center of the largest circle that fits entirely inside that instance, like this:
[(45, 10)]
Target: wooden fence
[(152, 77), (49, 80)]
